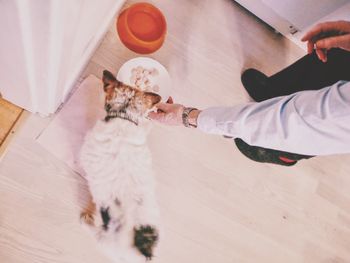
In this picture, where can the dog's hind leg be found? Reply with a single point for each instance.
(146, 229)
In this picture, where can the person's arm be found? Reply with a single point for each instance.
(307, 122)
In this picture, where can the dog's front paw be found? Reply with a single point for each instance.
(87, 218)
(145, 239)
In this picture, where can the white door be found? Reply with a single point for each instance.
(44, 46)
(291, 16)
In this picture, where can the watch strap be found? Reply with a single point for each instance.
(185, 115)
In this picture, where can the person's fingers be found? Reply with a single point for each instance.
(332, 42)
(325, 52)
(319, 53)
(310, 47)
(163, 106)
(319, 29)
(327, 28)
(316, 30)
(322, 55)
(156, 116)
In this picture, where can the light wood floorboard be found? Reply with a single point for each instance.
(9, 114)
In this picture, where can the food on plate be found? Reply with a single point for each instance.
(141, 78)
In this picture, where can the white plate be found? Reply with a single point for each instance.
(162, 79)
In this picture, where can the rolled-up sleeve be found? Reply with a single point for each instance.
(307, 122)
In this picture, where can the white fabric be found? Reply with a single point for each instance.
(307, 122)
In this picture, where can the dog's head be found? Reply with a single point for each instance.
(121, 98)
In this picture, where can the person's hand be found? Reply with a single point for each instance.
(325, 36)
(168, 113)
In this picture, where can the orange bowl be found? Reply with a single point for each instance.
(142, 28)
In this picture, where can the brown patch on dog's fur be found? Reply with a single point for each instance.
(109, 84)
(87, 218)
(152, 98)
(88, 213)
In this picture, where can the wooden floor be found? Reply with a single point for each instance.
(216, 205)
(9, 115)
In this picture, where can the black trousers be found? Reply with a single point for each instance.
(308, 73)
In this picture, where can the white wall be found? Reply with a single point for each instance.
(300, 14)
(303, 13)
(342, 13)
(44, 46)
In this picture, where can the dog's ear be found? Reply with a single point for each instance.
(153, 98)
(109, 80)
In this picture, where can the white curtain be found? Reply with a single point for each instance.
(44, 46)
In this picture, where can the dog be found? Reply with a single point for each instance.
(124, 214)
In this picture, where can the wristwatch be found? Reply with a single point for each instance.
(185, 115)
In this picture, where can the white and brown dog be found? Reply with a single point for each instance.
(118, 167)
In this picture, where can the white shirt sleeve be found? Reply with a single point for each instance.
(307, 122)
